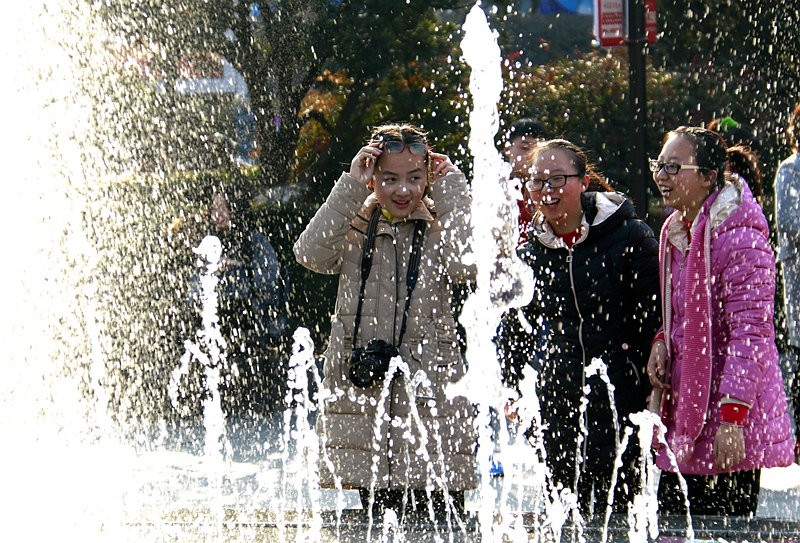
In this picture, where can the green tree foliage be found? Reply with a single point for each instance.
(383, 59)
(320, 72)
(750, 50)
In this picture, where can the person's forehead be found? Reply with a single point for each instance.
(678, 146)
(552, 156)
(525, 138)
(405, 161)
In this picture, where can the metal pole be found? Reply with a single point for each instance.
(638, 103)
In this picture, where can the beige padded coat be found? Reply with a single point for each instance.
(361, 447)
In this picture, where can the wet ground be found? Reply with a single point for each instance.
(169, 491)
(262, 476)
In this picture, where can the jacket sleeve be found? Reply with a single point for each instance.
(746, 278)
(319, 247)
(453, 207)
(787, 193)
(645, 284)
(511, 343)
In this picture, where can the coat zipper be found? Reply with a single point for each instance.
(583, 357)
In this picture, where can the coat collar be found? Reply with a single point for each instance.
(424, 212)
(719, 206)
(597, 208)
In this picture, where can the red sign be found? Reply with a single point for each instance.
(609, 22)
(611, 25)
(650, 28)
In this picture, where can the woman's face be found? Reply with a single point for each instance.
(686, 190)
(399, 182)
(561, 206)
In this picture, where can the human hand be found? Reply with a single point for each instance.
(441, 165)
(510, 411)
(657, 365)
(362, 166)
(728, 447)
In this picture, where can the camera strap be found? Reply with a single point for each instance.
(366, 265)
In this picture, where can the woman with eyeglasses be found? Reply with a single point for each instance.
(595, 265)
(714, 362)
(397, 257)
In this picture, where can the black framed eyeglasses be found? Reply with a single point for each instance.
(416, 148)
(554, 182)
(671, 168)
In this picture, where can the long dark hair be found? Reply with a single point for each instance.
(742, 161)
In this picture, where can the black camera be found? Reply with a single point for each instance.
(369, 364)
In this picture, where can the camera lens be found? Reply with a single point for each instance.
(362, 373)
(370, 364)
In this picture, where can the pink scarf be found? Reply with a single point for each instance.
(695, 386)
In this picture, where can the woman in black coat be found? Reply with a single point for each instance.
(595, 266)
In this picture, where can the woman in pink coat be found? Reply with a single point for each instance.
(715, 361)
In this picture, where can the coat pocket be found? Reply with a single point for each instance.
(438, 353)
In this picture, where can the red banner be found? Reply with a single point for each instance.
(650, 19)
(609, 22)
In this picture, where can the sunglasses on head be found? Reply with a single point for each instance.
(416, 148)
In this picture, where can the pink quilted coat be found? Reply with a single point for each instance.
(744, 356)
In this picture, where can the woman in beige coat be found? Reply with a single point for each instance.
(390, 430)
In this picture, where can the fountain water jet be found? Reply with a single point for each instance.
(67, 475)
(210, 353)
(300, 436)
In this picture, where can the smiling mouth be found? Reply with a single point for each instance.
(550, 201)
(665, 191)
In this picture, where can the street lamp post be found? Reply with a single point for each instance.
(638, 105)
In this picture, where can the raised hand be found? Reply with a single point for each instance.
(362, 166)
(441, 165)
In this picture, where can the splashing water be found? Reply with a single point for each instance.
(67, 476)
(58, 484)
(210, 353)
(503, 281)
(643, 513)
(298, 435)
(436, 469)
(661, 436)
(598, 367)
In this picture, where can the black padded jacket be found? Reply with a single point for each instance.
(599, 299)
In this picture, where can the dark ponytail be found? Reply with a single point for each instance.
(742, 161)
